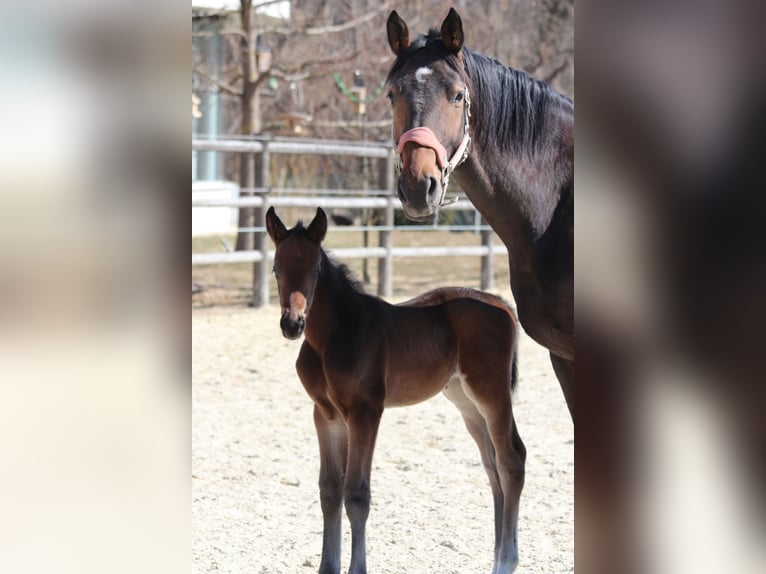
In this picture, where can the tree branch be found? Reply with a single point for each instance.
(556, 71)
(226, 87)
(319, 30)
(346, 25)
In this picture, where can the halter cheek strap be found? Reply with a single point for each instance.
(424, 137)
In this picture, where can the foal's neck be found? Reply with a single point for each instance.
(336, 300)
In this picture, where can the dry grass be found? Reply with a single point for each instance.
(232, 284)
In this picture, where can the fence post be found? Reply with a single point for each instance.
(487, 260)
(386, 264)
(386, 236)
(245, 215)
(261, 268)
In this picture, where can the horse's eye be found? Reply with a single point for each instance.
(391, 98)
(274, 270)
(457, 98)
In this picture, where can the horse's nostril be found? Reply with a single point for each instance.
(292, 329)
(432, 187)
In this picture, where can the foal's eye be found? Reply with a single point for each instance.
(391, 98)
(457, 98)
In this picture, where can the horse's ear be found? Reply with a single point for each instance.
(452, 32)
(274, 226)
(398, 34)
(318, 228)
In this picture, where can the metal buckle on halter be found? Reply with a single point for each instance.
(449, 200)
(446, 172)
(466, 111)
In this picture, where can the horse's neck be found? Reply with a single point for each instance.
(517, 193)
(332, 293)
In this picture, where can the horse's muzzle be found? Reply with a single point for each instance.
(292, 328)
(420, 199)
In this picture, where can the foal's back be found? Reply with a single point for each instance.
(440, 333)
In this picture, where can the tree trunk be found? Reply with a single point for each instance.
(245, 239)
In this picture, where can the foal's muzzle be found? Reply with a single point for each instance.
(292, 328)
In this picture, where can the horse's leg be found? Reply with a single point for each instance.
(333, 448)
(564, 370)
(510, 455)
(477, 428)
(518, 447)
(363, 422)
(493, 400)
(333, 445)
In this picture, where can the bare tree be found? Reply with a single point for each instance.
(315, 54)
(261, 48)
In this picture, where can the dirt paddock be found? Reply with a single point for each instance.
(255, 466)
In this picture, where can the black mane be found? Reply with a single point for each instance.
(343, 273)
(509, 104)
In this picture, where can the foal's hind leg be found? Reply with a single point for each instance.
(477, 428)
(510, 456)
(491, 397)
(333, 448)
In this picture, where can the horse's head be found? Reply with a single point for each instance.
(430, 97)
(297, 263)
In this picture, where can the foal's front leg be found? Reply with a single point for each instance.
(363, 422)
(333, 449)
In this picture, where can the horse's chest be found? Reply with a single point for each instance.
(547, 317)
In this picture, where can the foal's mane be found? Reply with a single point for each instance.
(344, 274)
(510, 106)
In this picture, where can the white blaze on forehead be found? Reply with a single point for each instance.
(421, 73)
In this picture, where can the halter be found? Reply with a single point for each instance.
(423, 136)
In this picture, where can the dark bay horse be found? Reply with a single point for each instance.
(510, 141)
(362, 354)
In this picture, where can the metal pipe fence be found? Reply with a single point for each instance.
(381, 200)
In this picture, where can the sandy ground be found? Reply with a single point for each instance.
(255, 466)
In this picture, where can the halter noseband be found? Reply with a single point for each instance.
(423, 136)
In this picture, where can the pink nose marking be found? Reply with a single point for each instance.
(297, 305)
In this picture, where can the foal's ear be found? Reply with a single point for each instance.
(274, 226)
(398, 34)
(452, 32)
(318, 228)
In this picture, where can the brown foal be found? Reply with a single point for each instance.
(362, 354)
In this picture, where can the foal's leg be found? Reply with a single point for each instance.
(333, 449)
(477, 428)
(363, 422)
(564, 370)
(510, 456)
